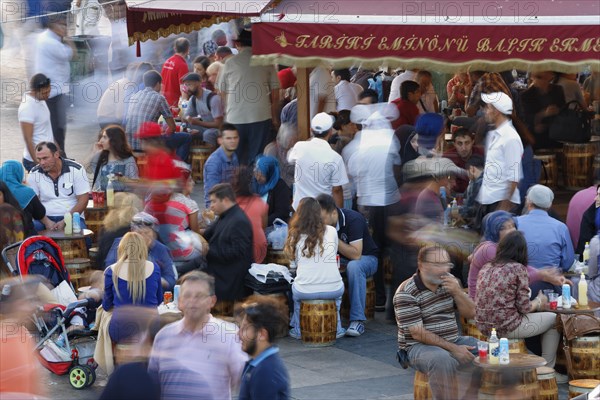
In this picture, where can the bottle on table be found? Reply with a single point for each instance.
(110, 192)
(494, 347)
(566, 296)
(586, 257)
(504, 357)
(582, 289)
(76, 223)
(68, 224)
(447, 215)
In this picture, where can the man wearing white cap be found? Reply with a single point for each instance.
(319, 169)
(504, 151)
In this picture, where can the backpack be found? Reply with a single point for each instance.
(208, 99)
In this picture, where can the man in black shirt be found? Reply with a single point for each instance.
(356, 248)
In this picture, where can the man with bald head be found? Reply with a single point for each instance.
(428, 334)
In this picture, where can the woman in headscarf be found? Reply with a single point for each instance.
(25, 199)
(496, 225)
(268, 184)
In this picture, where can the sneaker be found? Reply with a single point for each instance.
(340, 333)
(295, 333)
(560, 378)
(355, 329)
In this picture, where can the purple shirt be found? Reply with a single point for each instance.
(197, 365)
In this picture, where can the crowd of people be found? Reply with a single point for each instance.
(376, 179)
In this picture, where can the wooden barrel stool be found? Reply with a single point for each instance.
(518, 384)
(318, 322)
(369, 300)
(388, 270)
(582, 386)
(549, 175)
(547, 383)
(277, 257)
(585, 357)
(78, 269)
(596, 168)
(141, 162)
(579, 158)
(469, 328)
(421, 389)
(199, 156)
(94, 219)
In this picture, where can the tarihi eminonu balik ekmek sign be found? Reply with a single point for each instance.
(440, 42)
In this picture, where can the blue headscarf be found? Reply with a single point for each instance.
(492, 224)
(429, 127)
(269, 168)
(12, 174)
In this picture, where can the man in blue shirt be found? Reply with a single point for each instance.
(265, 375)
(222, 163)
(147, 226)
(548, 240)
(358, 250)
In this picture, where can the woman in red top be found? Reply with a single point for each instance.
(502, 299)
(255, 209)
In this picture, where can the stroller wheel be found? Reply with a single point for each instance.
(91, 377)
(79, 375)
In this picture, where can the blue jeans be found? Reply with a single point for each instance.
(438, 364)
(180, 142)
(358, 271)
(299, 296)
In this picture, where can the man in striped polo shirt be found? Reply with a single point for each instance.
(425, 308)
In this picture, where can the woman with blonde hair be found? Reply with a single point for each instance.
(132, 280)
(314, 246)
(116, 223)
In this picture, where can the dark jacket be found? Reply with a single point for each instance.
(230, 253)
(279, 201)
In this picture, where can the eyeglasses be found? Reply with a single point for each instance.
(439, 264)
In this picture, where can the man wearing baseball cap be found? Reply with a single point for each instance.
(504, 151)
(319, 169)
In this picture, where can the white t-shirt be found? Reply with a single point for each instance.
(59, 196)
(346, 95)
(320, 272)
(52, 58)
(35, 112)
(321, 85)
(318, 169)
(371, 166)
(503, 164)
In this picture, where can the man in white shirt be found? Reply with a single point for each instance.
(62, 186)
(53, 52)
(318, 168)
(251, 96)
(504, 151)
(429, 102)
(34, 118)
(320, 85)
(408, 75)
(346, 93)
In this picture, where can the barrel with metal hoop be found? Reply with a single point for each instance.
(579, 160)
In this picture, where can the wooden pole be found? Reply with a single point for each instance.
(303, 94)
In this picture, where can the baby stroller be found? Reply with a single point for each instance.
(58, 350)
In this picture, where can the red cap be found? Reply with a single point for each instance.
(287, 79)
(148, 130)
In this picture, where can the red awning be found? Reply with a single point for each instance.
(490, 35)
(152, 19)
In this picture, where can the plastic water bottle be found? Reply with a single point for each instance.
(504, 357)
(68, 224)
(76, 223)
(494, 349)
(444, 105)
(583, 287)
(566, 296)
(586, 257)
(176, 290)
(443, 196)
(447, 215)
(110, 192)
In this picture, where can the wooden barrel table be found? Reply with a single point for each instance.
(579, 159)
(582, 386)
(94, 219)
(318, 322)
(199, 156)
(72, 246)
(547, 382)
(141, 162)
(585, 357)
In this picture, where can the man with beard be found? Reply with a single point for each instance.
(198, 356)
(205, 109)
(265, 375)
(427, 330)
